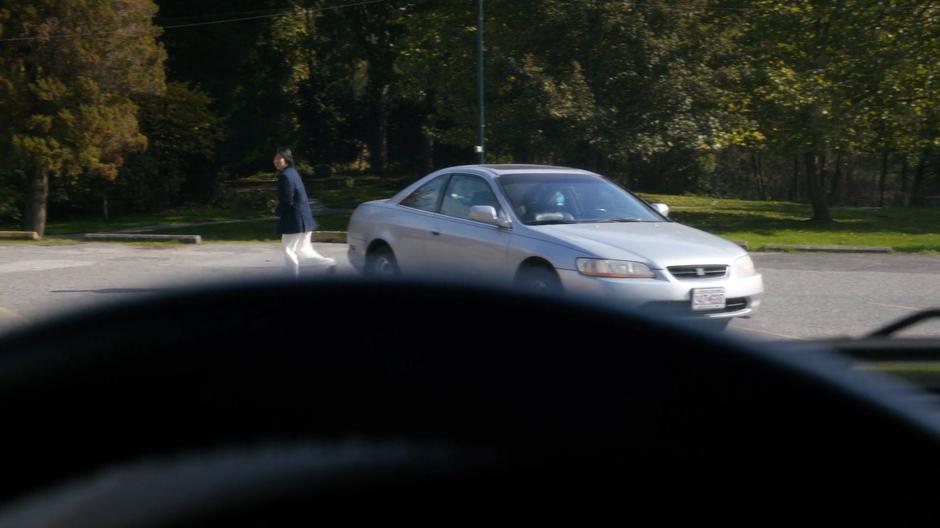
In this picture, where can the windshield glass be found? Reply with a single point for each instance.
(540, 199)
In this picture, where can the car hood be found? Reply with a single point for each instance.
(657, 243)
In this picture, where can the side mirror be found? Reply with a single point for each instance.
(662, 208)
(487, 215)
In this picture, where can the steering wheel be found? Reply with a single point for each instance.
(284, 402)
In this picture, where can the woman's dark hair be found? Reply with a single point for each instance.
(285, 153)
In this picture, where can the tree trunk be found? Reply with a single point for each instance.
(759, 174)
(424, 160)
(917, 189)
(884, 178)
(795, 187)
(905, 169)
(815, 167)
(849, 188)
(35, 219)
(835, 194)
(903, 197)
(378, 151)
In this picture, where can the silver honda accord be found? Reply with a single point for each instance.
(556, 229)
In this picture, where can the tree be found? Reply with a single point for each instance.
(836, 77)
(242, 69)
(69, 78)
(177, 165)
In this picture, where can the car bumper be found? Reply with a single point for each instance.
(667, 296)
(356, 255)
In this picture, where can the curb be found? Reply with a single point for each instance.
(126, 237)
(828, 249)
(19, 235)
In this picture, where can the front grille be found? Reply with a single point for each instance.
(706, 271)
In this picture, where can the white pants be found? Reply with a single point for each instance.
(297, 246)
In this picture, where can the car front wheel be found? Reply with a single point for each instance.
(382, 263)
(538, 279)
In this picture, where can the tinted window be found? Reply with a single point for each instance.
(466, 191)
(427, 196)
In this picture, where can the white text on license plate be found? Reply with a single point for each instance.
(708, 298)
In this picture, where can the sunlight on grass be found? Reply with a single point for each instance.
(255, 230)
(761, 223)
(758, 223)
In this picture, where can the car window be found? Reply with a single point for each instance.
(464, 192)
(428, 196)
(575, 198)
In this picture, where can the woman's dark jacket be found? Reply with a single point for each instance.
(293, 206)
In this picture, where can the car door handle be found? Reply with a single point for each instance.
(436, 233)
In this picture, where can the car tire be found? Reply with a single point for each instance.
(381, 262)
(538, 279)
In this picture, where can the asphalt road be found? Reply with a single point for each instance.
(39, 281)
(807, 295)
(812, 295)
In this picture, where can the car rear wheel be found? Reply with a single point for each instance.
(382, 263)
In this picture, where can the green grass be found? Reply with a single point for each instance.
(256, 230)
(244, 229)
(43, 242)
(759, 223)
(131, 221)
(910, 230)
(365, 188)
(335, 192)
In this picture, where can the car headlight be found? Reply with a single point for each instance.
(618, 269)
(744, 266)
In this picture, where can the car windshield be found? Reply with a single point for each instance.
(540, 199)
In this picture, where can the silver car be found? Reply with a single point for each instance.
(553, 228)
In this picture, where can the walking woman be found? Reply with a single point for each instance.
(296, 223)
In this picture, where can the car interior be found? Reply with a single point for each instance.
(434, 403)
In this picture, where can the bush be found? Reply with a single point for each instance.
(245, 199)
(322, 171)
(177, 166)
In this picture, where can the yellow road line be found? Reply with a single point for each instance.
(765, 332)
(6, 311)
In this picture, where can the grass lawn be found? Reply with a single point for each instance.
(913, 229)
(130, 221)
(758, 223)
(43, 242)
(255, 230)
(365, 188)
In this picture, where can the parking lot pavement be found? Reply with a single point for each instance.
(817, 295)
(807, 296)
(39, 281)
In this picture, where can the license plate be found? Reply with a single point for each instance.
(708, 298)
